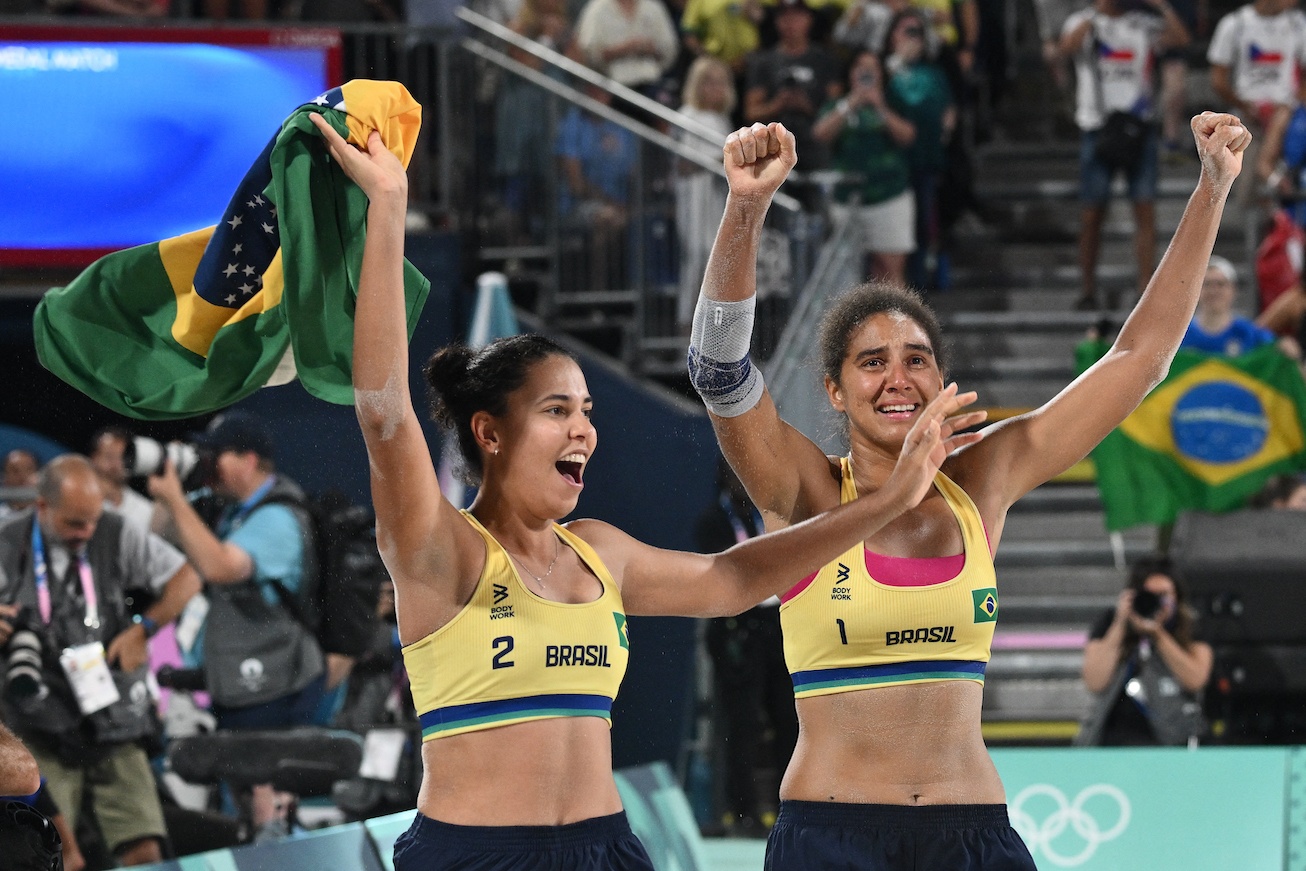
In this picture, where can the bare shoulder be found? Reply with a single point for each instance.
(614, 547)
(595, 532)
(976, 471)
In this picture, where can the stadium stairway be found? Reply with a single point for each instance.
(1011, 322)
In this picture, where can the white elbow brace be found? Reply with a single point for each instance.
(719, 367)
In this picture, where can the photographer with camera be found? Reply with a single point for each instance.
(263, 666)
(1145, 665)
(76, 659)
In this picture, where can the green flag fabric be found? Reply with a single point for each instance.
(192, 324)
(1205, 439)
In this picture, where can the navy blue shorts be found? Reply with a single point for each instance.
(598, 844)
(815, 836)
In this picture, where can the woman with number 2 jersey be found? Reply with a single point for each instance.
(513, 625)
(887, 644)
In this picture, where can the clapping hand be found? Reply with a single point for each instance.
(935, 435)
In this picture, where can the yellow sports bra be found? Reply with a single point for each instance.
(510, 656)
(844, 630)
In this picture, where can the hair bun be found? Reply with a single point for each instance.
(445, 372)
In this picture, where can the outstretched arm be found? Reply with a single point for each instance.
(419, 533)
(657, 581)
(782, 469)
(1023, 452)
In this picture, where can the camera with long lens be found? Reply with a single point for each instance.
(144, 456)
(23, 660)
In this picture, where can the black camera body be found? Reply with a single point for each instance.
(1146, 604)
(23, 653)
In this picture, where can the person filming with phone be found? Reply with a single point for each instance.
(868, 132)
(1145, 665)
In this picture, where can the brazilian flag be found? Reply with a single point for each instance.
(1205, 439)
(194, 323)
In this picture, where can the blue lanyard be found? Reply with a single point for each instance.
(241, 512)
(39, 569)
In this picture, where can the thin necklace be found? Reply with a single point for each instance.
(539, 579)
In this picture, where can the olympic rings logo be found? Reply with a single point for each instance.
(1068, 814)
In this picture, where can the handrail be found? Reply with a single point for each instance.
(580, 71)
(622, 120)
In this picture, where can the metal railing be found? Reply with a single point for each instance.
(607, 246)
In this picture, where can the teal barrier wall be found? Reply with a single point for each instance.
(1213, 809)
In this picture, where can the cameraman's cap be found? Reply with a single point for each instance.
(237, 431)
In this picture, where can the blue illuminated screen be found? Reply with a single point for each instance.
(119, 144)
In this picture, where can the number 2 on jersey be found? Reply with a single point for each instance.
(499, 661)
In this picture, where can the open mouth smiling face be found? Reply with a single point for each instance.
(572, 467)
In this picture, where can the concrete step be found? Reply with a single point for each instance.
(1014, 369)
(1066, 186)
(1060, 497)
(1006, 322)
(1007, 393)
(1059, 698)
(1062, 608)
(1062, 525)
(1058, 581)
(1015, 665)
(969, 348)
(1065, 553)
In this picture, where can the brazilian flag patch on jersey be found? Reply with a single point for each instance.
(623, 634)
(986, 605)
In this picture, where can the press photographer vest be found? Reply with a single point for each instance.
(1174, 713)
(57, 714)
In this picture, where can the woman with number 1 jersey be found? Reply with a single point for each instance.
(887, 644)
(513, 625)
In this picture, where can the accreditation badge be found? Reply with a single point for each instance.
(88, 674)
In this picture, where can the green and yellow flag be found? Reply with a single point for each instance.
(1205, 439)
(194, 323)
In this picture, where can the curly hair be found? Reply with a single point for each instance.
(850, 310)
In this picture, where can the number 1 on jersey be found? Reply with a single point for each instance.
(843, 631)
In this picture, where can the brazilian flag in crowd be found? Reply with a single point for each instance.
(1205, 439)
(194, 323)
